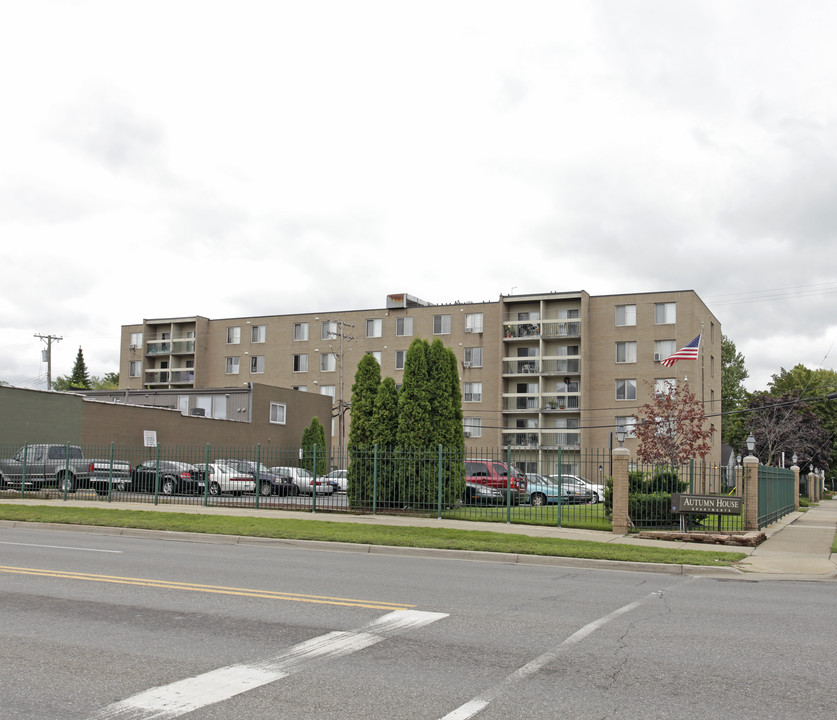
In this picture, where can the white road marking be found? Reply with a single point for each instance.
(61, 547)
(479, 703)
(183, 696)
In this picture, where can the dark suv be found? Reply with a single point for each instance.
(269, 484)
(495, 473)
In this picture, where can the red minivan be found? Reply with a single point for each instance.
(494, 473)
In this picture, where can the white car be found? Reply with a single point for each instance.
(304, 480)
(597, 490)
(338, 478)
(226, 479)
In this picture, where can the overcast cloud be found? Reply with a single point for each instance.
(269, 157)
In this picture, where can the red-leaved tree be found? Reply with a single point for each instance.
(672, 428)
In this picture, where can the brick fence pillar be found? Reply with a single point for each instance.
(621, 457)
(795, 469)
(812, 488)
(751, 492)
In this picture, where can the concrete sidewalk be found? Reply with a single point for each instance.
(797, 546)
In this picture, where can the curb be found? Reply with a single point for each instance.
(392, 550)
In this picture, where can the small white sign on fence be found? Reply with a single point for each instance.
(149, 438)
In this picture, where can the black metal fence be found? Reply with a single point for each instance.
(485, 485)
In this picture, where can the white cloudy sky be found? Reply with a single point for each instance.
(267, 157)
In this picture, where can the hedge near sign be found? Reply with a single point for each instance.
(706, 504)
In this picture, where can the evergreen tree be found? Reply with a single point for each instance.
(77, 380)
(80, 378)
(446, 413)
(314, 436)
(362, 430)
(386, 430)
(415, 423)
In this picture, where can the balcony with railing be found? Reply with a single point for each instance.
(556, 403)
(525, 329)
(560, 366)
(529, 403)
(169, 377)
(521, 366)
(158, 347)
(560, 328)
(170, 347)
(561, 439)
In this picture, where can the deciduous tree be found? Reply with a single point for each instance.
(786, 424)
(672, 428)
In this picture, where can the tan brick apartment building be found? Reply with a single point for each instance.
(539, 372)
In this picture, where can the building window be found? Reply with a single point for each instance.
(625, 315)
(278, 413)
(134, 368)
(136, 340)
(663, 348)
(473, 322)
(375, 354)
(374, 328)
(258, 333)
(665, 313)
(300, 331)
(399, 359)
(629, 423)
(626, 352)
(232, 365)
(329, 330)
(441, 324)
(404, 326)
(257, 364)
(472, 426)
(566, 350)
(328, 390)
(301, 388)
(626, 389)
(233, 335)
(473, 357)
(301, 363)
(665, 386)
(328, 362)
(569, 314)
(473, 392)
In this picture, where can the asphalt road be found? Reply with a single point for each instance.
(106, 627)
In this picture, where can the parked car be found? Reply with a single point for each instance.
(338, 479)
(495, 473)
(304, 480)
(597, 490)
(270, 483)
(226, 479)
(479, 494)
(581, 492)
(545, 491)
(176, 478)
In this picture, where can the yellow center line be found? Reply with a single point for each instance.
(217, 589)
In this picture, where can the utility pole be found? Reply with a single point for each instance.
(341, 406)
(47, 354)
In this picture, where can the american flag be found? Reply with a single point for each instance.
(688, 352)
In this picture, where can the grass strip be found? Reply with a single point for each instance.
(346, 532)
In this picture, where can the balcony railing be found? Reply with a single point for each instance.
(170, 347)
(561, 402)
(525, 329)
(560, 328)
(560, 366)
(529, 366)
(174, 377)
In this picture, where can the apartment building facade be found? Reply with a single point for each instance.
(540, 373)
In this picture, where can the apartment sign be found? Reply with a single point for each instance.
(706, 504)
